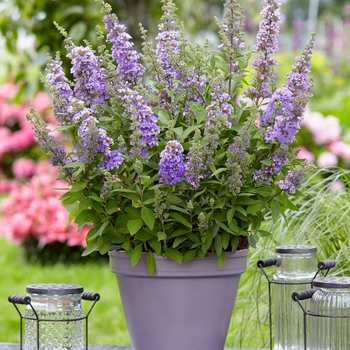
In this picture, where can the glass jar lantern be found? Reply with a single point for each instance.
(329, 327)
(296, 268)
(54, 318)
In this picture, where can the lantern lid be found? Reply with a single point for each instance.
(332, 282)
(54, 289)
(296, 249)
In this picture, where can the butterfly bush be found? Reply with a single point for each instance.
(171, 151)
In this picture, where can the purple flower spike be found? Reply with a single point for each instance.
(172, 167)
(122, 50)
(266, 44)
(90, 78)
(111, 161)
(57, 79)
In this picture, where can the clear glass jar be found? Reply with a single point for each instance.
(331, 300)
(296, 268)
(59, 316)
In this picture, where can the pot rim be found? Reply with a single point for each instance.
(165, 267)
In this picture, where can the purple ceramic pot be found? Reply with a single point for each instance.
(180, 307)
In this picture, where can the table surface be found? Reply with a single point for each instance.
(7, 346)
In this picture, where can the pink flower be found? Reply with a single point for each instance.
(327, 160)
(23, 168)
(340, 149)
(35, 210)
(323, 129)
(305, 154)
(8, 91)
(41, 102)
(336, 186)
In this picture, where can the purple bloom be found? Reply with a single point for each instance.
(144, 123)
(266, 44)
(195, 167)
(112, 160)
(292, 181)
(172, 167)
(286, 107)
(94, 141)
(58, 80)
(167, 47)
(219, 112)
(238, 160)
(122, 50)
(278, 160)
(90, 78)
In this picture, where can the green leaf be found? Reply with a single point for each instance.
(181, 219)
(147, 215)
(161, 235)
(163, 117)
(134, 225)
(222, 260)
(218, 244)
(126, 245)
(174, 254)
(103, 244)
(240, 210)
(151, 263)
(233, 225)
(218, 171)
(253, 240)
(136, 254)
(275, 210)
(143, 235)
(96, 198)
(219, 203)
(224, 227)
(264, 233)
(179, 240)
(191, 254)
(229, 215)
(73, 165)
(178, 233)
(78, 186)
(234, 243)
(84, 217)
(225, 239)
(156, 246)
(267, 162)
(98, 230)
(255, 208)
(264, 191)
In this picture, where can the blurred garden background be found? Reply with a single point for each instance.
(38, 243)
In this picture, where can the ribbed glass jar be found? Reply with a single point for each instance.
(296, 269)
(59, 316)
(332, 302)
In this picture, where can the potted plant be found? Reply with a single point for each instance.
(177, 161)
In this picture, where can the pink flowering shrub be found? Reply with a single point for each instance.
(321, 140)
(34, 210)
(18, 147)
